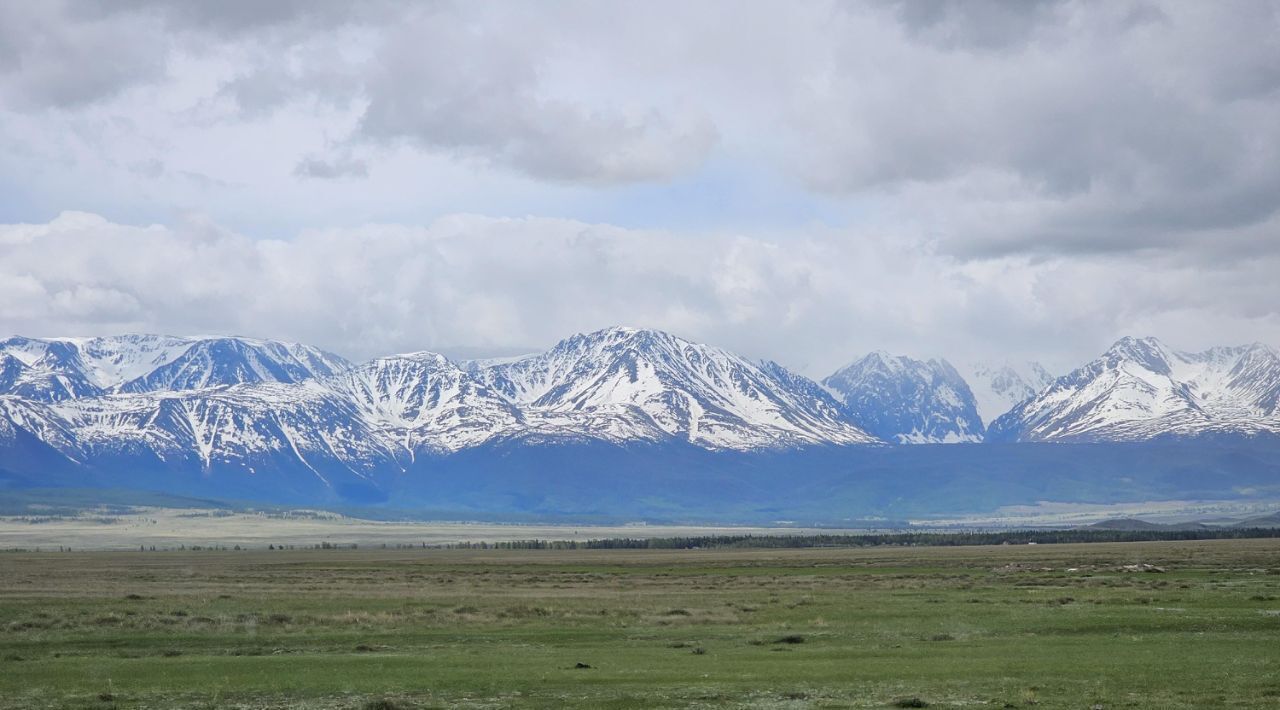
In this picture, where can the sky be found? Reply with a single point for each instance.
(803, 182)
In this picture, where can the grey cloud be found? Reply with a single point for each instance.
(996, 128)
(230, 17)
(204, 181)
(50, 59)
(151, 168)
(315, 167)
(470, 85)
(1108, 134)
(309, 72)
(445, 85)
(155, 169)
(67, 54)
(974, 24)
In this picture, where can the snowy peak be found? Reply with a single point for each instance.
(1141, 389)
(45, 371)
(651, 381)
(998, 386)
(423, 401)
(103, 363)
(11, 371)
(59, 369)
(907, 401)
(1255, 378)
(231, 361)
(1147, 353)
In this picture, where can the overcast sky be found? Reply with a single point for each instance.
(798, 181)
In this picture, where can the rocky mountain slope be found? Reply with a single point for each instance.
(57, 369)
(1141, 389)
(907, 401)
(624, 383)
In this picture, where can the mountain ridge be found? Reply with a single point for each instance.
(179, 399)
(55, 369)
(260, 406)
(1141, 389)
(907, 401)
(624, 418)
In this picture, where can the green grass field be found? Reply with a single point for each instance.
(994, 627)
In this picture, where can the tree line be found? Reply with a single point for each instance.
(916, 539)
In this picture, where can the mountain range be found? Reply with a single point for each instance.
(1141, 389)
(284, 421)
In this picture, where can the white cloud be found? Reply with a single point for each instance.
(811, 300)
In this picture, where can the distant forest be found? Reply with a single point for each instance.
(921, 539)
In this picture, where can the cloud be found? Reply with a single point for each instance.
(341, 167)
(51, 59)
(102, 305)
(445, 84)
(824, 177)
(811, 300)
(975, 24)
(430, 78)
(1082, 127)
(231, 17)
(1101, 130)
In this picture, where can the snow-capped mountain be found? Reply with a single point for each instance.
(229, 361)
(58, 369)
(625, 383)
(165, 413)
(998, 386)
(1140, 389)
(424, 403)
(241, 425)
(623, 422)
(907, 401)
(259, 406)
(344, 429)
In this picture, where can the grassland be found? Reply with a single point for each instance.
(128, 527)
(1013, 626)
